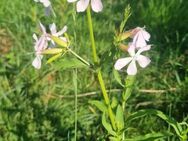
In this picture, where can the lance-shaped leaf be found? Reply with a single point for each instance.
(107, 125)
(150, 137)
(117, 77)
(100, 105)
(119, 118)
(177, 127)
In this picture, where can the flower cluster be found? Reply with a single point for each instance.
(42, 42)
(139, 44)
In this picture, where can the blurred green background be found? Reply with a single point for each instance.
(38, 105)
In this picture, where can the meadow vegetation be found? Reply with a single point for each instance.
(38, 105)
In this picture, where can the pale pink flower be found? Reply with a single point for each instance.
(82, 5)
(40, 45)
(142, 60)
(140, 36)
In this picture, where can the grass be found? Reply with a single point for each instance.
(39, 105)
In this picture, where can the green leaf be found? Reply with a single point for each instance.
(53, 58)
(117, 77)
(129, 87)
(100, 105)
(177, 127)
(107, 126)
(119, 118)
(67, 63)
(114, 139)
(114, 102)
(150, 137)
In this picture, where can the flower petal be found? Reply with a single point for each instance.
(122, 62)
(96, 5)
(145, 48)
(46, 3)
(61, 32)
(37, 62)
(146, 35)
(82, 5)
(43, 29)
(143, 61)
(41, 44)
(53, 28)
(131, 49)
(35, 37)
(132, 70)
(139, 40)
(71, 0)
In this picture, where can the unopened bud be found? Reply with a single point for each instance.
(123, 47)
(52, 51)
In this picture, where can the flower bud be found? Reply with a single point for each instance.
(52, 51)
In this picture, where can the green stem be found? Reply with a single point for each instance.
(76, 102)
(99, 74)
(95, 59)
(129, 81)
(80, 58)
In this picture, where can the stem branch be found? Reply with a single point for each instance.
(80, 58)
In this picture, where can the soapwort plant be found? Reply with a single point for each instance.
(133, 43)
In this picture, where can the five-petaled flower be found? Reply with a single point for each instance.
(142, 60)
(82, 5)
(46, 3)
(140, 36)
(40, 45)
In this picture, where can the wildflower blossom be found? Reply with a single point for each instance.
(46, 3)
(142, 60)
(140, 36)
(82, 5)
(40, 45)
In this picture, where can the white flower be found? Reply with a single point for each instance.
(143, 61)
(46, 3)
(59, 34)
(140, 36)
(40, 45)
(82, 5)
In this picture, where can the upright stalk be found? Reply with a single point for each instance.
(99, 74)
(75, 103)
(129, 81)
